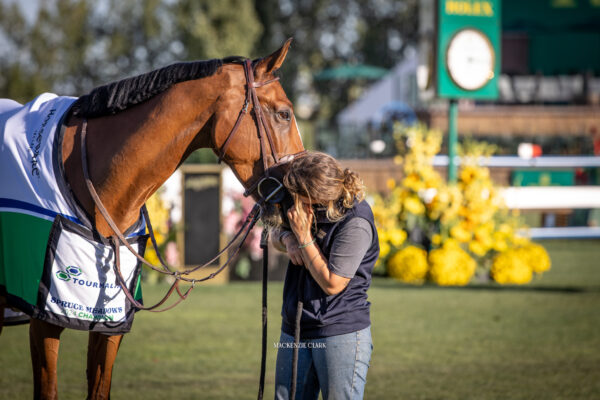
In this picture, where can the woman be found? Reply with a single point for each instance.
(333, 238)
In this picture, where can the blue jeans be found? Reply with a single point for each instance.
(336, 365)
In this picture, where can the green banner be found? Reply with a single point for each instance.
(468, 50)
(543, 177)
(569, 28)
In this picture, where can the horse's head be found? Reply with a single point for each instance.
(258, 146)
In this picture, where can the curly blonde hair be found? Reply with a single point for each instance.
(321, 179)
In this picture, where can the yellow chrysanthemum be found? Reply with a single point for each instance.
(397, 237)
(499, 242)
(384, 249)
(414, 205)
(478, 248)
(451, 265)
(467, 175)
(536, 257)
(510, 267)
(413, 182)
(461, 233)
(408, 265)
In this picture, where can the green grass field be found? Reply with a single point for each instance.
(540, 341)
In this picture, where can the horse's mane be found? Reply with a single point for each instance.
(118, 96)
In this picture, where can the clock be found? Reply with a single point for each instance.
(470, 59)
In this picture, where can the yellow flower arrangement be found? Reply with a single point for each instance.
(461, 225)
(409, 265)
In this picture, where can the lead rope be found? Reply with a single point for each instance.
(264, 244)
(299, 308)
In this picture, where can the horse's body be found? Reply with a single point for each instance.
(133, 151)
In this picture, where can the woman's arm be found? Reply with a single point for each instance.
(316, 263)
(311, 256)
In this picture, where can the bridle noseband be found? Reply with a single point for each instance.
(262, 184)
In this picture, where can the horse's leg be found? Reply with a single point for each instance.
(44, 339)
(102, 351)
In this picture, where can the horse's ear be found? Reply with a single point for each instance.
(272, 63)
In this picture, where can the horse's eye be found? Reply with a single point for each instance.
(284, 115)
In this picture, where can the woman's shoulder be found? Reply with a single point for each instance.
(361, 209)
(349, 237)
(358, 219)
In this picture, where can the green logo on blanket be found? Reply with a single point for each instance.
(70, 272)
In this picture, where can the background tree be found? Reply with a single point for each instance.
(214, 29)
(71, 46)
(329, 33)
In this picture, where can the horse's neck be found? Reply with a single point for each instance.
(132, 153)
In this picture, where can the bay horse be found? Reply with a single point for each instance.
(139, 131)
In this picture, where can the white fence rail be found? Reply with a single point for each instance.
(547, 197)
(555, 198)
(551, 197)
(536, 162)
(566, 232)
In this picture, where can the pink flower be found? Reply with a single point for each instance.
(171, 254)
(253, 243)
(232, 222)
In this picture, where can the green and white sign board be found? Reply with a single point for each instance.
(468, 51)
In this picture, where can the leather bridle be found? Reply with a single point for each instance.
(268, 187)
(260, 186)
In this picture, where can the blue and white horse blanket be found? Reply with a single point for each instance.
(53, 265)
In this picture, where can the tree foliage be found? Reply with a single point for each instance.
(328, 33)
(72, 46)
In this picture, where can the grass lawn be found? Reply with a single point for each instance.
(540, 341)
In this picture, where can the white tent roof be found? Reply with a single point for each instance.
(398, 85)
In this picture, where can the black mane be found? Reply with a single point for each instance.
(118, 96)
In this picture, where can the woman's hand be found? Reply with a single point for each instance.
(301, 220)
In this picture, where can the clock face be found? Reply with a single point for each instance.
(470, 59)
